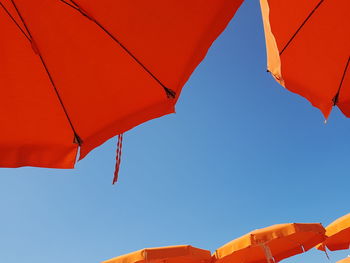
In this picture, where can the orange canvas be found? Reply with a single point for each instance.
(271, 243)
(172, 254)
(76, 73)
(345, 260)
(338, 234)
(308, 49)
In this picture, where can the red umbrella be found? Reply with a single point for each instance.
(76, 73)
(308, 49)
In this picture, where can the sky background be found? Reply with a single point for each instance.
(240, 153)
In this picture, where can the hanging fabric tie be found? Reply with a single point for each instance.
(118, 157)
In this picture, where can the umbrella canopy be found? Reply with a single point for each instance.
(271, 244)
(75, 73)
(338, 235)
(308, 49)
(173, 254)
(345, 260)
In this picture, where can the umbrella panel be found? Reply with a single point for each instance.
(339, 241)
(172, 254)
(338, 234)
(345, 260)
(308, 49)
(280, 248)
(277, 242)
(34, 128)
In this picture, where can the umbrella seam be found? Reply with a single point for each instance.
(169, 92)
(301, 26)
(14, 20)
(77, 139)
(336, 97)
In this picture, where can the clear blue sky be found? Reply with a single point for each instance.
(240, 153)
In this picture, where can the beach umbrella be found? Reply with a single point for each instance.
(308, 49)
(75, 73)
(172, 254)
(345, 260)
(338, 235)
(271, 244)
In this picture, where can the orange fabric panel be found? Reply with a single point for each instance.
(345, 260)
(172, 254)
(338, 234)
(283, 240)
(313, 63)
(104, 90)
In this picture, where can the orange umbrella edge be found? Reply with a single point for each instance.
(162, 253)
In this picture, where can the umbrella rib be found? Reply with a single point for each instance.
(336, 97)
(300, 27)
(169, 92)
(77, 139)
(14, 20)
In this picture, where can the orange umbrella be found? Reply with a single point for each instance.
(173, 254)
(308, 49)
(338, 235)
(74, 73)
(345, 260)
(271, 244)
